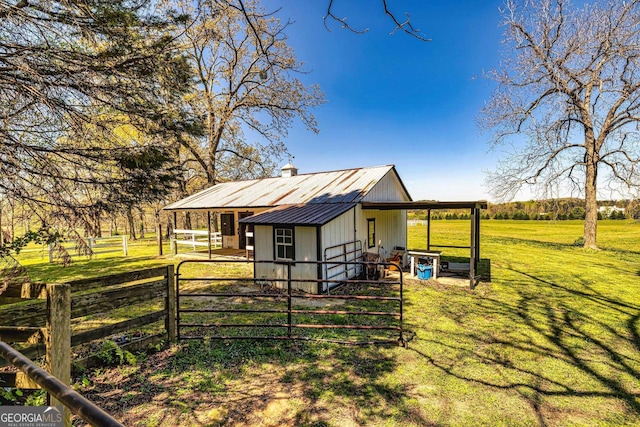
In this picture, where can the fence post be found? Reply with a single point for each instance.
(173, 244)
(170, 322)
(159, 238)
(58, 337)
(125, 248)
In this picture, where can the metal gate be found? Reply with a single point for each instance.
(222, 299)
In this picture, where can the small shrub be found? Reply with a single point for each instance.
(112, 354)
(8, 395)
(579, 241)
(37, 398)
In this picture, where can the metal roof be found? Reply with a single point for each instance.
(426, 204)
(300, 214)
(342, 186)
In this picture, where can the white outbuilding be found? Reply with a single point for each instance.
(308, 217)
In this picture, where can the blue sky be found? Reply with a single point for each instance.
(392, 99)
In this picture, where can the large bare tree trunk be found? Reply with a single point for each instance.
(141, 213)
(569, 69)
(98, 225)
(591, 203)
(132, 228)
(13, 221)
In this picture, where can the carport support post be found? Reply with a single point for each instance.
(428, 229)
(473, 263)
(477, 245)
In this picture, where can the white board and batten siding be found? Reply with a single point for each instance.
(339, 231)
(391, 225)
(391, 230)
(388, 189)
(305, 240)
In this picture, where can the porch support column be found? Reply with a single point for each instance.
(209, 231)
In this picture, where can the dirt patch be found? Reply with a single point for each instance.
(142, 396)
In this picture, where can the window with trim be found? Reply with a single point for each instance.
(371, 231)
(284, 247)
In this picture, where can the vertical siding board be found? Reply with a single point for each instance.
(391, 228)
(337, 232)
(305, 245)
(388, 189)
(263, 250)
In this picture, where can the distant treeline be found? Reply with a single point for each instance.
(541, 210)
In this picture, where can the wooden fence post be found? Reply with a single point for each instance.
(58, 337)
(174, 244)
(159, 238)
(170, 322)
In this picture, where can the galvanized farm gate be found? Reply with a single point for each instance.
(220, 299)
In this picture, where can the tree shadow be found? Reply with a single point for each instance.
(284, 383)
(503, 240)
(591, 334)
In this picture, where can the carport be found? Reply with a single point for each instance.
(474, 238)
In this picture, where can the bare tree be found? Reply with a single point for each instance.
(402, 25)
(247, 91)
(568, 100)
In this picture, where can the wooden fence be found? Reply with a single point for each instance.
(44, 321)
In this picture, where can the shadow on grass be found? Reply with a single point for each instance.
(506, 241)
(275, 383)
(484, 266)
(548, 341)
(95, 267)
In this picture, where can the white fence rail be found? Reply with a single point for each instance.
(195, 238)
(98, 245)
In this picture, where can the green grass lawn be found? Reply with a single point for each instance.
(552, 340)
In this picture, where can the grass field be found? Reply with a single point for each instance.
(552, 340)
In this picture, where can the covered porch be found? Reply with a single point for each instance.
(433, 251)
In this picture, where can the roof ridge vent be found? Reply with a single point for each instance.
(289, 170)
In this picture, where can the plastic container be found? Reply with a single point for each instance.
(425, 271)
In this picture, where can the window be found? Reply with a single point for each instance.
(371, 230)
(226, 221)
(284, 248)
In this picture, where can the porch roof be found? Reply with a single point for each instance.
(313, 214)
(426, 204)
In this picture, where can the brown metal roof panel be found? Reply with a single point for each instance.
(314, 214)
